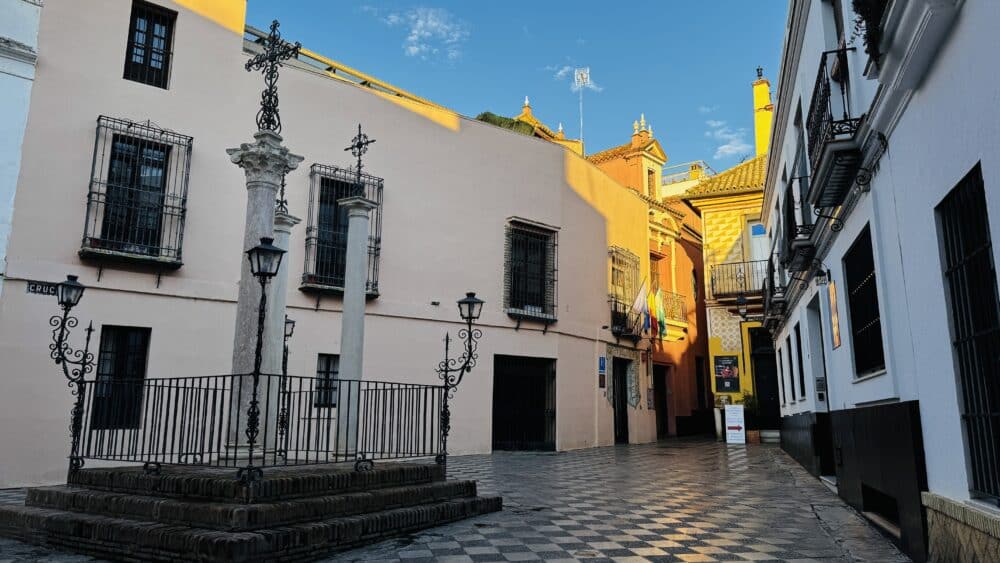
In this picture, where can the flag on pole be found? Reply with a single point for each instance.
(661, 314)
(640, 299)
(654, 326)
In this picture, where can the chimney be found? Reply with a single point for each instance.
(763, 112)
(694, 171)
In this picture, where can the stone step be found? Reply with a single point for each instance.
(241, 517)
(279, 483)
(123, 539)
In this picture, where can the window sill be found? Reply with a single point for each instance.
(867, 376)
(115, 256)
(322, 289)
(523, 315)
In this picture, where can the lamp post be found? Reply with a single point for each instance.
(452, 370)
(741, 305)
(284, 395)
(265, 259)
(69, 293)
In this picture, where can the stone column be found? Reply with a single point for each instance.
(274, 331)
(352, 332)
(265, 162)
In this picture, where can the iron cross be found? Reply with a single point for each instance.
(275, 51)
(359, 146)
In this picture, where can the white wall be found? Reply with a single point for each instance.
(18, 23)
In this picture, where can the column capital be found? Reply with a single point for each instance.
(285, 221)
(357, 206)
(265, 160)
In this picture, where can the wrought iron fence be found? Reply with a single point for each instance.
(735, 278)
(137, 199)
(304, 420)
(830, 115)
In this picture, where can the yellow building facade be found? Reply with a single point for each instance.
(735, 256)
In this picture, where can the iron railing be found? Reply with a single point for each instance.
(304, 420)
(326, 231)
(735, 278)
(137, 199)
(674, 306)
(625, 322)
(830, 115)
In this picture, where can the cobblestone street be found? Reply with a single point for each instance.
(673, 501)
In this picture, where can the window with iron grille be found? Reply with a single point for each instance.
(624, 274)
(791, 368)
(654, 272)
(781, 374)
(326, 232)
(121, 372)
(964, 230)
(327, 374)
(862, 298)
(801, 364)
(150, 38)
(138, 193)
(530, 271)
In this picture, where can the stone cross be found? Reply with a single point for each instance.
(275, 51)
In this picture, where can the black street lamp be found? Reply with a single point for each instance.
(68, 294)
(265, 259)
(452, 370)
(284, 395)
(741, 305)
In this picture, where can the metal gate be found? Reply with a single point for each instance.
(524, 403)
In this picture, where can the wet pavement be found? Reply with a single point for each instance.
(679, 500)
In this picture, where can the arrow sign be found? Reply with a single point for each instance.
(735, 425)
(736, 428)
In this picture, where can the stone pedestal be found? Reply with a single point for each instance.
(265, 162)
(352, 335)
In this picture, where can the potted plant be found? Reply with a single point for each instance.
(751, 410)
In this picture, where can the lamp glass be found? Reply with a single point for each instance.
(289, 327)
(70, 291)
(470, 307)
(265, 258)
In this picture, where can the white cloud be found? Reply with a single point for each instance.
(431, 33)
(733, 141)
(707, 109)
(562, 72)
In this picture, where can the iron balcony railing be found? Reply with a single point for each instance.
(326, 231)
(831, 119)
(625, 322)
(674, 306)
(137, 200)
(303, 420)
(735, 278)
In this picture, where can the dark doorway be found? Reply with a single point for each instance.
(660, 382)
(824, 431)
(121, 375)
(765, 379)
(524, 403)
(619, 378)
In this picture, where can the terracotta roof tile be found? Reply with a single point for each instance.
(745, 177)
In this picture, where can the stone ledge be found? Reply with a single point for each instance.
(279, 483)
(243, 517)
(970, 515)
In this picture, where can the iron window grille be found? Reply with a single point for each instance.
(791, 369)
(624, 287)
(327, 375)
(326, 231)
(862, 296)
(150, 39)
(121, 371)
(801, 362)
(975, 328)
(530, 272)
(137, 199)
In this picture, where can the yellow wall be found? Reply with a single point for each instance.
(230, 14)
(725, 225)
(715, 348)
(763, 114)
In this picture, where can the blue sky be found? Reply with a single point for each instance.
(686, 64)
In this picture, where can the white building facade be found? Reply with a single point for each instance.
(881, 203)
(18, 54)
(129, 186)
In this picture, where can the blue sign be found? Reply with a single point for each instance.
(602, 365)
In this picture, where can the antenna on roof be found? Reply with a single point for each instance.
(581, 79)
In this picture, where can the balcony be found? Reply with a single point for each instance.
(834, 147)
(774, 299)
(735, 278)
(625, 322)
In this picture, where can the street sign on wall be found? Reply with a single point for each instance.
(736, 432)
